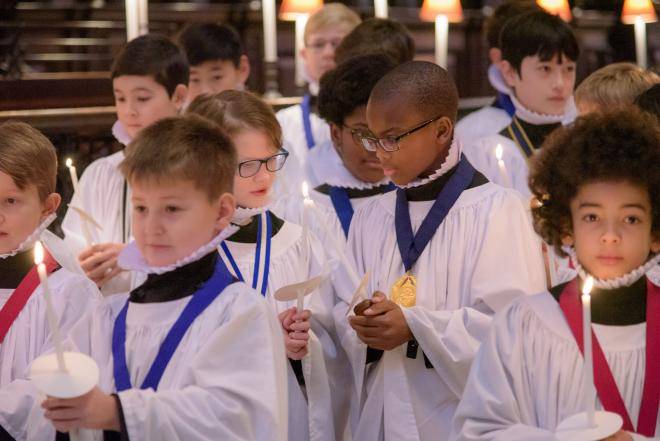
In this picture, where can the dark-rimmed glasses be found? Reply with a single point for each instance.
(247, 169)
(391, 143)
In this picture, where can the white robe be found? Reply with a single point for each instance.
(101, 195)
(528, 375)
(296, 170)
(486, 234)
(225, 380)
(29, 337)
(296, 257)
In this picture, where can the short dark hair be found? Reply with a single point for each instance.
(183, 147)
(203, 42)
(154, 56)
(537, 33)
(507, 10)
(426, 86)
(348, 86)
(649, 101)
(620, 145)
(377, 35)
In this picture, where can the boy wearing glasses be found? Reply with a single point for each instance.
(445, 251)
(302, 128)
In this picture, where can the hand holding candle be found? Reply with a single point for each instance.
(50, 311)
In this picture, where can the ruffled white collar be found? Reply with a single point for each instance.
(527, 115)
(497, 80)
(242, 214)
(131, 258)
(618, 282)
(120, 133)
(328, 168)
(453, 156)
(32, 238)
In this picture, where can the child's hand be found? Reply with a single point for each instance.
(382, 325)
(619, 436)
(100, 261)
(94, 410)
(295, 327)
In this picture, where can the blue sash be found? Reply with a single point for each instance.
(521, 139)
(503, 101)
(199, 301)
(412, 245)
(343, 207)
(257, 255)
(307, 121)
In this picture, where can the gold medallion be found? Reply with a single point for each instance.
(404, 291)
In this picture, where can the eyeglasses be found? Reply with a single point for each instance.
(357, 134)
(391, 143)
(247, 169)
(319, 45)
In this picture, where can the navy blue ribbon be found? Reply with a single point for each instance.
(199, 301)
(307, 121)
(520, 138)
(255, 274)
(343, 207)
(504, 102)
(412, 245)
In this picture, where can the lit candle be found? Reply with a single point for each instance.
(500, 164)
(301, 22)
(270, 30)
(588, 353)
(308, 204)
(441, 37)
(74, 175)
(380, 8)
(50, 311)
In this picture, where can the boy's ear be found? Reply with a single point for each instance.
(509, 73)
(243, 69)
(226, 205)
(655, 245)
(51, 204)
(444, 130)
(335, 136)
(179, 96)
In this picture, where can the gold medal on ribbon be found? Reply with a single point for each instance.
(404, 291)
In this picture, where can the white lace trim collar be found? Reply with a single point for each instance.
(618, 282)
(120, 133)
(497, 80)
(243, 214)
(131, 258)
(532, 117)
(32, 238)
(328, 168)
(453, 156)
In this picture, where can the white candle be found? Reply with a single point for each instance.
(640, 42)
(270, 30)
(301, 21)
(502, 167)
(132, 19)
(380, 8)
(74, 175)
(50, 311)
(143, 17)
(441, 37)
(588, 353)
(308, 204)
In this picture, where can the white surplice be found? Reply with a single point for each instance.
(225, 380)
(296, 257)
(30, 336)
(529, 374)
(484, 254)
(101, 195)
(296, 169)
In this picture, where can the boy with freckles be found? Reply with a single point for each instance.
(445, 251)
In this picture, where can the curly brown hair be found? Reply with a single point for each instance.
(621, 145)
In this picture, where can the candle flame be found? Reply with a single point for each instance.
(38, 253)
(498, 152)
(587, 286)
(69, 162)
(305, 189)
